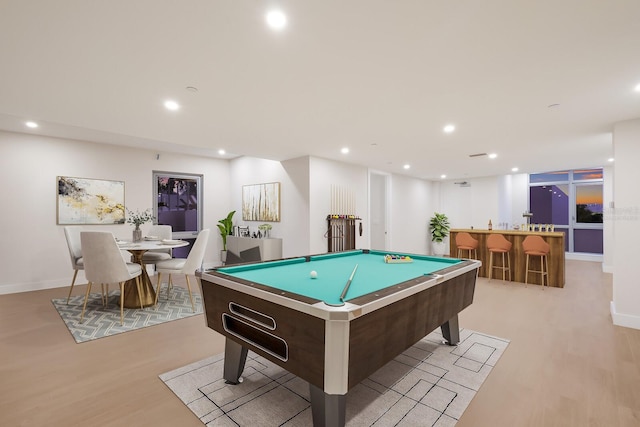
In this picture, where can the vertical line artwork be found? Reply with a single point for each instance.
(261, 202)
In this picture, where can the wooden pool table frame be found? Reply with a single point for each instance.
(333, 348)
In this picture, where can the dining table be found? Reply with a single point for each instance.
(137, 250)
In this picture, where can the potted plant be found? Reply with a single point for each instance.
(439, 227)
(225, 226)
(138, 218)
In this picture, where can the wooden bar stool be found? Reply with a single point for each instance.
(536, 246)
(466, 242)
(498, 244)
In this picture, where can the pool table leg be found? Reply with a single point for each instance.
(328, 410)
(451, 331)
(235, 357)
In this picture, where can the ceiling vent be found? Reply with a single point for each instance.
(463, 183)
(478, 155)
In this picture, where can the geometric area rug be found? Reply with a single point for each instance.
(102, 321)
(430, 384)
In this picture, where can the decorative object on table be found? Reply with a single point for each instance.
(490, 226)
(265, 229)
(89, 201)
(225, 225)
(138, 218)
(439, 227)
(261, 202)
(100, 322)
(429, 384)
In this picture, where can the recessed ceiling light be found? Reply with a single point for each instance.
(637, 88)
(407, 166)
(345, 150)
(493, 155)
(171, 105)
(514, 169)
(449, 128)
(31, 125)
(222, 152)
(610, 159)
(276, 19)
(443, 176)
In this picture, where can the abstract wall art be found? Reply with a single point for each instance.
(89, 201)
(261, 202)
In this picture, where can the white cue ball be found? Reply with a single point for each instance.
(313, 274)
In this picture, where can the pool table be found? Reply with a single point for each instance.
(278, 310)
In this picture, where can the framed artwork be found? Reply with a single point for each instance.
(89, 201)
(261, 202)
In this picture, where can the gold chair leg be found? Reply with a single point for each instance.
(193, 307)
(490, 265)
(509, 263)
(526, 274)
(86, 297)
(121, 303)
(503, 267)
(169, 285)
(73, 281)
(546, 260)
(139, 287)
(158, 285)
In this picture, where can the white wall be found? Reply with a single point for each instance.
(625, 221)
(33, 249)
(294, 195)
(412, 206)
(471, 206)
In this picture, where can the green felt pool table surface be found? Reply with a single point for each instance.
(333, 271)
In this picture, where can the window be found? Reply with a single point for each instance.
(178, 204)
(573, 202)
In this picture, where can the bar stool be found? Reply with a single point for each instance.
(498, 244)
(466, 242)
(536, 246)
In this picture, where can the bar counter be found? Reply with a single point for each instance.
(518, 257)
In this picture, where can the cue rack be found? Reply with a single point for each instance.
(341, 228)
(341, 232)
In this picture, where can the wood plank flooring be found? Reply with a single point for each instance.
(567, 365)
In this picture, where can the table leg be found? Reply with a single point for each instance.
(451, 331)
(327, 410)
(235, 356)
(148, 297)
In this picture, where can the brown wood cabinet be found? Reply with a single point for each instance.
(518, 257)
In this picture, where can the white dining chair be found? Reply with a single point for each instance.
(72, 234)
(162, 232)
(104, 264)
(186, 266)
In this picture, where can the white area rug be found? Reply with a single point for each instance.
(430, 384)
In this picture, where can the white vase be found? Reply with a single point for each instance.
(439, 248)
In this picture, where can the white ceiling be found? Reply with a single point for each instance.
(380, 77)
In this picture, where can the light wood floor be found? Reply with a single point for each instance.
(567, 365)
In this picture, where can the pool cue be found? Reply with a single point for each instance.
(346, 287)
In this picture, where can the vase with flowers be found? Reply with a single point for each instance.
(138, 218)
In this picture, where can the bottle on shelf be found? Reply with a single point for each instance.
(490, 225)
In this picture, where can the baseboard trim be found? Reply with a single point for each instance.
(625, 320)
(12, 288)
